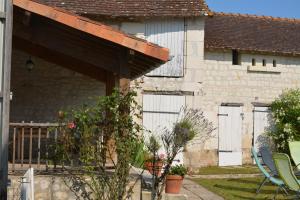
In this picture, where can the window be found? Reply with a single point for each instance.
(253, 62)
(274, 63)
(264, 62)
(168, 33)
(236, 58)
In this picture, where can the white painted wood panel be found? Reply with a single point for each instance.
(230, 135)
(162, 111)
(168, 33)
(261, 122)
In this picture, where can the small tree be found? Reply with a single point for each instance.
(95, 136)
(191, 125)
(286, 115)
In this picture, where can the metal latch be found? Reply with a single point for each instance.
(2, 15)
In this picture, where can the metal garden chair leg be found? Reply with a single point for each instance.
(262, 184)
(276, 193)
(284, 190)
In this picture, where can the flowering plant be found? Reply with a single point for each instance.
(71, 125)
(286, 115)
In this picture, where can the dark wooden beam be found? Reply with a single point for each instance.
(56, 39)
(60, 59)
(124, 73)
(111, 83)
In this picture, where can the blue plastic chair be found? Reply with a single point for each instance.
(276, 181)
(267, 159)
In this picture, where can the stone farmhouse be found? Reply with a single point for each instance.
(232, 66)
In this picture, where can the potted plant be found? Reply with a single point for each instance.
(154, 162)
(174, 179)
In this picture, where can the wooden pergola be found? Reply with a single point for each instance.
(82, 45)
(76, 43)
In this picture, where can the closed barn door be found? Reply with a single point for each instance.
(261, 123)
(162, 111)
(230, 135)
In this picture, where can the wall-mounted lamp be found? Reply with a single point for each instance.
(29, 64)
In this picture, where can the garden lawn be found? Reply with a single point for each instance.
(236, 189)
(215, 170)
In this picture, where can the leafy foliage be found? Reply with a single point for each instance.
(139, 154)
(180, 170)
(94, 137)
(191, 125)
(286, 115)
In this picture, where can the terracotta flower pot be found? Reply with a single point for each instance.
(156, 168)
(173, 184)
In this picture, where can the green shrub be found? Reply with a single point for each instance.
(178, 170)
(138, 154)
(286, 116)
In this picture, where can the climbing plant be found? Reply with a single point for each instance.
(95, 137)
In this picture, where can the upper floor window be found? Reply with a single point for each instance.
(168, 33)
(264, 62)
(253, 62)
(274, 63)
(236, 58)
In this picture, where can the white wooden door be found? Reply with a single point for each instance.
(162, 111)
(230, 135)
(261, 122)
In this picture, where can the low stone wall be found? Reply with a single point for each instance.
(53, 187)
(45, 187)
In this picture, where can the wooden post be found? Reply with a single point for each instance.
(122, 80)
(6, 8)
(124, 76)
(111, 82)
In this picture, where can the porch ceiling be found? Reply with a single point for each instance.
(80, 44)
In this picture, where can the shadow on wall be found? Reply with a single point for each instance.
(264, 140)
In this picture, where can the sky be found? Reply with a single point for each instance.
(275, 8)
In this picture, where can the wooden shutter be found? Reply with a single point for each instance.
(230, 135)
(168, 33)
(162, 111)
(262, 117)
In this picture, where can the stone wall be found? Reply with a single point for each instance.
(222, 82)
(40, 93)
(211, 79)
(54, 187)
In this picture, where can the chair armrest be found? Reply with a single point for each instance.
(296, 167)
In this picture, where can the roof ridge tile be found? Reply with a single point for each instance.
(296, 20)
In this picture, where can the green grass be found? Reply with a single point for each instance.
(250, 169)
(236, 189)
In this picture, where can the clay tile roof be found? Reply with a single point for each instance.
(133, 8)
(253, 33)
(96, 29)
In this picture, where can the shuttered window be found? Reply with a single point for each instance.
(168, 33)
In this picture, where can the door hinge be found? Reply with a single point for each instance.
(223, 115)
(225, 151)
